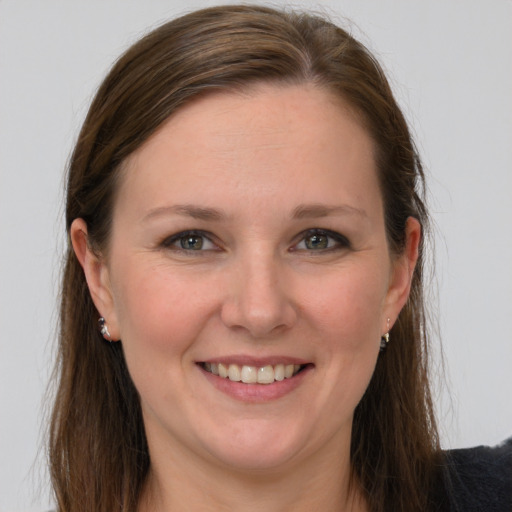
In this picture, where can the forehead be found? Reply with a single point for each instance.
(259, 110)
(256, 141)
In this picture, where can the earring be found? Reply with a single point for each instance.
(104, 329)
(384, 340)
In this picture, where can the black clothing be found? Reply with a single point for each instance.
(476, 480)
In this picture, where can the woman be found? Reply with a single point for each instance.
(242, 308)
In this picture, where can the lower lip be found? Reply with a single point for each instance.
(257, 393)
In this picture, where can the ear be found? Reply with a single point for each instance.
(401, 274)
(96, 274)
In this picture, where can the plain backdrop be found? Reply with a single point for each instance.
(450, 64)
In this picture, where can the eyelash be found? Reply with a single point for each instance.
(340, 241)
(335, 241)
(179, 238)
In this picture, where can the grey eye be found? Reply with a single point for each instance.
(191, 242)
(321, 240)
(316, 241)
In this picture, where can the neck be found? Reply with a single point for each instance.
(318, 483)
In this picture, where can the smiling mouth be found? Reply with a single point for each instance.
(253, 374)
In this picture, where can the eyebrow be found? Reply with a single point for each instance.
(187, 210)
(303, 211)
(313, 211)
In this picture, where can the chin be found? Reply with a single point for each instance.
(254, 459)
(258, 447)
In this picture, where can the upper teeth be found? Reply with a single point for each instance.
(253, 374)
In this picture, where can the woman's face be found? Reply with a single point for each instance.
(248, 237)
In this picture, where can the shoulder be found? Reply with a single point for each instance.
(477, 479)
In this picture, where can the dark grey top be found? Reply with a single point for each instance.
(476, 480)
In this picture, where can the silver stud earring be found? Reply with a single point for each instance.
(384, 340)
(104, 329)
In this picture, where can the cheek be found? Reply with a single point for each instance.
(349, 318)
(350, 309)
(161, 315)
(158, 310)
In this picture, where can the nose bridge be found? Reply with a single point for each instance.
(258, 300)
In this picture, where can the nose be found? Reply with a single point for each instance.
(259, 298)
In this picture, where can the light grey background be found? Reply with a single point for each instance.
(450, 64)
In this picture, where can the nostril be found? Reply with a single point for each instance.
(259, 319)
(258, 299)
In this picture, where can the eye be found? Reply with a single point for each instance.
(321, 240)
(190, 241)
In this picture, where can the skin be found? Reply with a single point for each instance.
(269, 164)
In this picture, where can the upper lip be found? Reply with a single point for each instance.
(245, 360)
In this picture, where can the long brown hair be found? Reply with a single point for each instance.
(98, 451)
